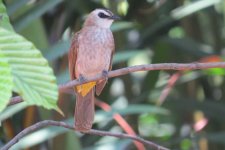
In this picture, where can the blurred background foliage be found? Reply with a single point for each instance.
(179, 110)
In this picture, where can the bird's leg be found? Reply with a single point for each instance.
(105, 74)
(81, 78)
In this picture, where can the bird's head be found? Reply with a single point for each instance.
(101, 17)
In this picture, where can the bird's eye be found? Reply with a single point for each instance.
(102, 15)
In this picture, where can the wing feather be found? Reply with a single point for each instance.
(72, 56)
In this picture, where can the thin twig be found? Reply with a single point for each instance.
(164, 66)
(92, 131)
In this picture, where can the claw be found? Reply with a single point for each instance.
(81, 78)
(83, 89)
(105, 74)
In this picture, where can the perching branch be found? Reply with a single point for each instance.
(64, 88)
(164, 66)
(149, 67)
(92, 131)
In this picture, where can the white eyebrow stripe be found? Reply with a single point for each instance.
(108, 12)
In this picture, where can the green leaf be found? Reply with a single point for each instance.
(58, 50)
(15, 6)
(211, 108)
(138, 109)
(33, 78)
(6, 82)
(118, 26)
(63, 76)
(4, 19)
(34, 13)
(126, 55)
(216, 137)
(131, 109)
(191, 8)
(188, 46)
(12, 110)
(215, 71)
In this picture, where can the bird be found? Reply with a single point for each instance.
(91, 53)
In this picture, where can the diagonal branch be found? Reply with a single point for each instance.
(92, 131)
(164, 66)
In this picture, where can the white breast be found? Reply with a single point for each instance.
(95, 49)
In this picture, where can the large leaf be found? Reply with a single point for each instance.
(131, 109)
(182, 106)
(12, 8)
(191, 8)
(126, 55)
(34, 13)
(6, 83)
(118, 26)
(11, 110)
(177, 14)
(57, 50)
(33, 78)
(4, 19)
(188, 46)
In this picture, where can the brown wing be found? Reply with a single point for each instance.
(84, 111)
(72, 56)
(113, 51)
(101, 84)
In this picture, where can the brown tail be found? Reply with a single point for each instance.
(84, 111)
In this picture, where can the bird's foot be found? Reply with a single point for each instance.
(81, 78)
(105, 74)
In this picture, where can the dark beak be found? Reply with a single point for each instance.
(114, 17)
